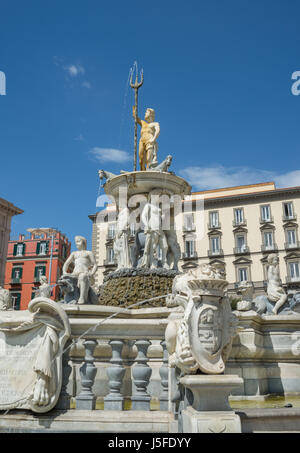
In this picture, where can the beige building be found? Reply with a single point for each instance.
(235, 227)
(7, 210)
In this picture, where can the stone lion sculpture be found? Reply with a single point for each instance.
(69, 287)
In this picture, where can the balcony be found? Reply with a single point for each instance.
(287, 218)
(292, 245)
(266, 220)
(110, 235)
(215, 226)
(290, 279)
(189, 228)
(237, 223)
(213, 253)
(110, 262)
(189, 255)
(269, 248)
(241, 250)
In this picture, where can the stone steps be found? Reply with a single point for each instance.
(84, 421)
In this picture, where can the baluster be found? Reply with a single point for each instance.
(64, 397)
(115, 372)
(141, 374)
(86, 399)
(164, 374)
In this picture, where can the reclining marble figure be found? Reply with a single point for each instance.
(31, 345)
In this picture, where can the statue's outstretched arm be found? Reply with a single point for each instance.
(138, 120)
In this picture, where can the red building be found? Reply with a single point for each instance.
(42, 253)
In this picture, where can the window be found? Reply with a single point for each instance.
(291, 237)
(215, 244)
(243, 274)
(19, 249)
(268, 240)
(241, 242)
(111, 230)
(42, 248)
(16, 273)
(110, 254)
(239, 216)
(189, 248)
(288, 210)
(16, 300)
(214, 219)
(294, 270)
(188, 222)
(265, 213)
(39, 271)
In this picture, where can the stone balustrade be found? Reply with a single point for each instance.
(116, 359)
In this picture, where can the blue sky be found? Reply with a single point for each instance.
(217, 72)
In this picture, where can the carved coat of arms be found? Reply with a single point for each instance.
(201, 339)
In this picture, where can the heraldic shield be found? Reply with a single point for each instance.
(210, 323)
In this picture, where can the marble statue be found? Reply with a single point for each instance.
(120, 246)
(201, 339)
(275, 292)
(163, 166)
(149, 133)
(5, 299)
(246, 291)
(174, 252)
(152, 218)
(85, 267)
(44, 289)
(105, 174)
(31, 342)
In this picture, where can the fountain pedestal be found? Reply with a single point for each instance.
(210, 411)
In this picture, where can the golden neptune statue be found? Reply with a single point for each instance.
(149, 133)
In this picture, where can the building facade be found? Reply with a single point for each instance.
(43, 252)
(235, 228)
(7, 211)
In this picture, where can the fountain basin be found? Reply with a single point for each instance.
(128, 286)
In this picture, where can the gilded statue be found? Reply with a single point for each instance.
(149, 133)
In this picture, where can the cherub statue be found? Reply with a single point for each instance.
(84, 268)
(149, 133)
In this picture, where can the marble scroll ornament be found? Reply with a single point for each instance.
(200, 339)
(31, 346)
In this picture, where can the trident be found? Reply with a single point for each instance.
(136, 87)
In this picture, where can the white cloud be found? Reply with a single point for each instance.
(74, 70)
(110, 155)
(204, 178)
